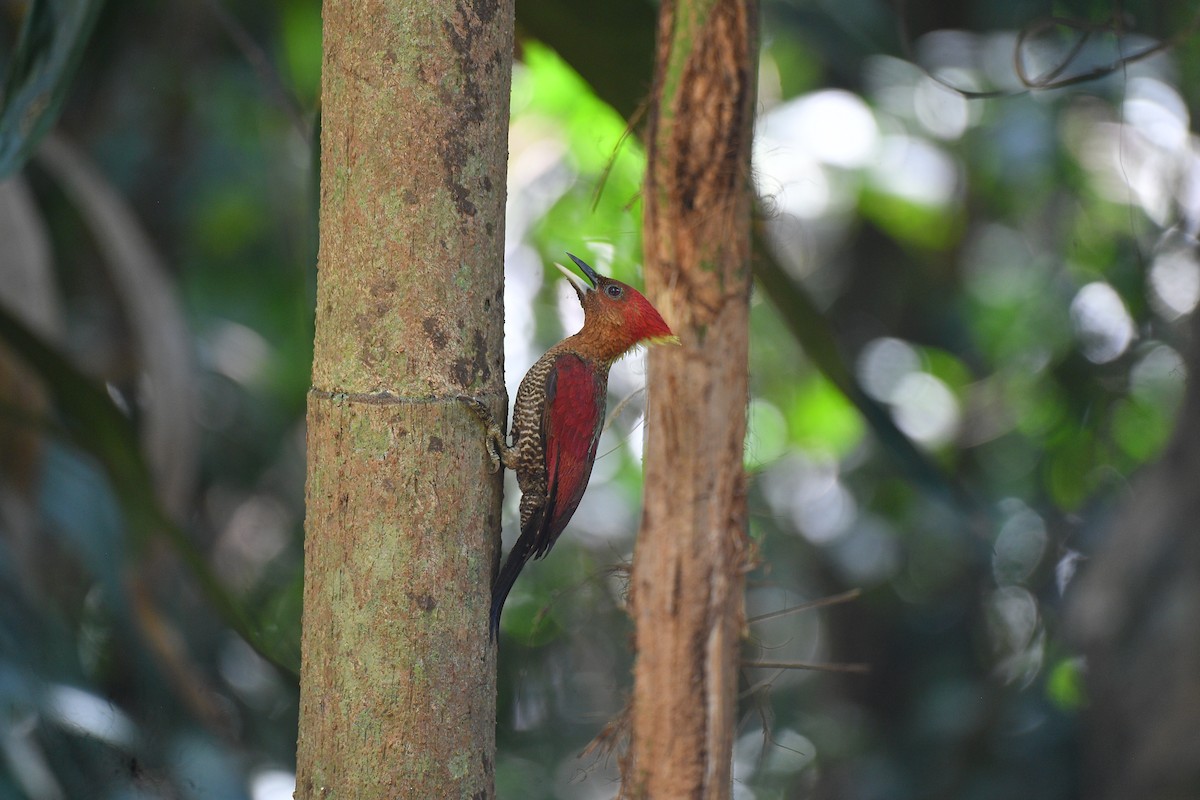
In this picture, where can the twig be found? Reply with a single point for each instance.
(859, 669)
(844, 597)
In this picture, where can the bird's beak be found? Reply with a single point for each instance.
(588, 271)
(580, 287)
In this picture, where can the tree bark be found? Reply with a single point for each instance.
(688, 570)
(397, 691)
(1134, 610)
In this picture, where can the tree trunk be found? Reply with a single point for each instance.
(688, 568)
(397, 691)
(1134, 610)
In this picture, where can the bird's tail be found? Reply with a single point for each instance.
(505, 580)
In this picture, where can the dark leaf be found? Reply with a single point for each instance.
(48, 49)
(91, 421)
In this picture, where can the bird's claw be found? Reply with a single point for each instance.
(495, 458)
(493, 439)
(478, 408)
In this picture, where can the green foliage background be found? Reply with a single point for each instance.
(137, 664)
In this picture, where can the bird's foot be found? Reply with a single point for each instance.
(493, 437)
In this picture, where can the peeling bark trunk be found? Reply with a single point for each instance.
(398, 675)
(687, 583)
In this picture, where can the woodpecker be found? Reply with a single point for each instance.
(559, 413)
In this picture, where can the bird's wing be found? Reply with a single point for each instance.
(571, 423)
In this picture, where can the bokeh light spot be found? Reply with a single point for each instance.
(1175, 282)
(915, 170)
(883, 364)
(925, 408)
(1019, 547)
(1102, 324)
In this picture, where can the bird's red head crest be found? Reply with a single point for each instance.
(616, 316)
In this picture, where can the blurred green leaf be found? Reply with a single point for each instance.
(302, 47)
(1072, 468)
(1140, 429)
(1037, 401)
(947, 368)
(821, 418)
(611, 44)
(592, 126)
(799, 70)
(1065, 684)
(766, 434)
(227, 221)
(601, 204)
(529, 620)
(607, 223)
(539, 609)
(49, 46)
(927, 227)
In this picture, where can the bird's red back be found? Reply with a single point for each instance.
(575, 399)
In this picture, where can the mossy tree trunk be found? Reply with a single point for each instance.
(690, 559)
(397, 694)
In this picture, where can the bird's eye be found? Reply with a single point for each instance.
(613, 291)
